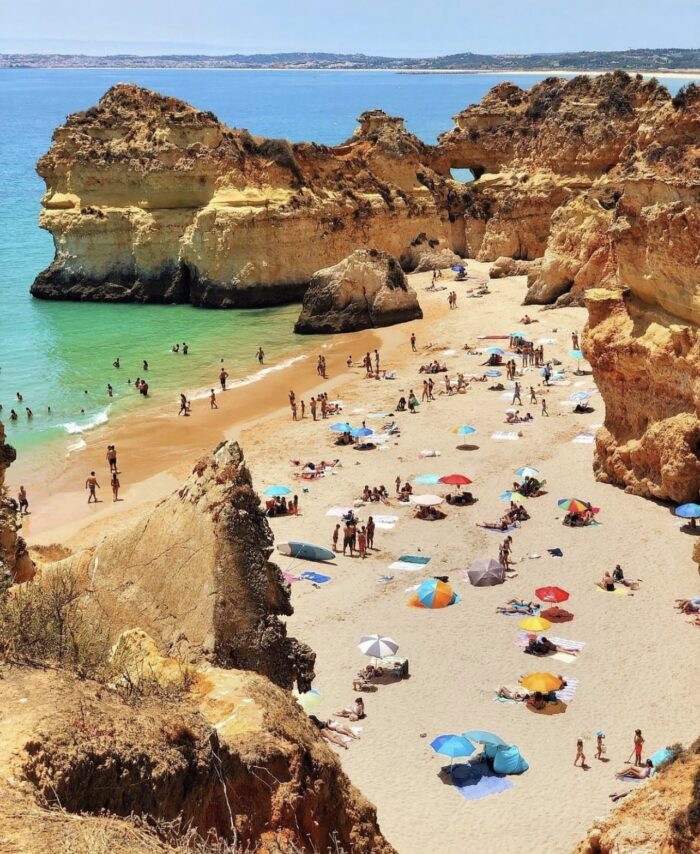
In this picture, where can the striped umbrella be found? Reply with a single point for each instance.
(433, 594)
(572, 505)
(310, 699)
(377, 646)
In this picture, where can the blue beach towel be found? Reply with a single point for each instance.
(478, 781)
(315, 577)
(414, 559)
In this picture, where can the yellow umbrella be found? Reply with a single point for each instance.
(543, 682)
(535, 624)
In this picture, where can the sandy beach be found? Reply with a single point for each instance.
(639, 666)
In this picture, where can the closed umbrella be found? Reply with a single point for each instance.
(452, 746)
(486, 572)
(455, 480)
(551, 594)
(275, 491)
(543, 682)
(377, 646)
(688, 511)
(535, 624)
(426, 500)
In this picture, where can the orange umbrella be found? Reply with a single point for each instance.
(543, 682)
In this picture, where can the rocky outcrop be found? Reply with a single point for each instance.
(427, 253)
(196, 570)
(231, 757)
(503, 267)
(15, 563)
(365, 290)
(647, 366)
(151, 200)
(660, 817)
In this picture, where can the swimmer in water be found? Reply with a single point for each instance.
(13, 415)
(109, 389)
(29, 412)
(145, 365)
(19, 397)
(116, 363)
(261, 356)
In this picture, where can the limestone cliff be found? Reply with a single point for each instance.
(363, 291)
(196, 571)
(15, 563)
(151, 200)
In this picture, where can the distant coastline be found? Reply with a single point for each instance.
(666, 62)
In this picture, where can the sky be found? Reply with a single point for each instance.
(411, 28)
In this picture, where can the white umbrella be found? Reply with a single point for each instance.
(426, 500)
(377, 646)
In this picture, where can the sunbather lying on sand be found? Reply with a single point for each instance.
(365, 675)
(433, 368)
(508, 694)
(327, 733)
(517, 606)
(355, 712)
(544, 646)
(607, 582)
(431, 514)
(689, 606)
(501, 525)
(336, 726)
(637, 773)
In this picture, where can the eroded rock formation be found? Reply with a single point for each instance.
(365, 290)
(151, 200)
(15, 563)
(197, 570)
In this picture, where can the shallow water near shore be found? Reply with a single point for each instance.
(53, 353)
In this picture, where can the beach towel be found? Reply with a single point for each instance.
(557, 552)
(346, 738)
(385, 526)
(290, 577)
(387, 520)
(404, 566)
(338, 511)
(618, 591)
(583, 439)
(566, 695)
(496, 530)
(314, 577)
(523, 638)
(477, 781)
(505, 436)
(420, 559)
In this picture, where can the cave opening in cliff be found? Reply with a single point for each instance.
(466, 175)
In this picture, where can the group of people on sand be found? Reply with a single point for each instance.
(356, 538)
(279, 506)
(376, 493)
(433, 367)
(617, 576)
(92, 484)
(579, 519)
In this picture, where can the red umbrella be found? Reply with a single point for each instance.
(455, 479)
(551, 594)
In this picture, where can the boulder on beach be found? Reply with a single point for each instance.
(365, 290)
(504, 266)
(427, 253)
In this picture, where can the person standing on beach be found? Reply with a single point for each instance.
(638, 747)
(516, 393)
(212, 399)
(184, 406)
(91, 484)
(347, 538)
(370, 533)
(292, 397)
(413, 341)
(294, 411)
(580, 754)
(362, 542)
(600, 747)
(112, 458)
(574, 340)
(544, 407)
(114, 483)
(313, 408)
(23, 501)
(223, 376)
(398, 485)
(261, 356)
(336, 534)
(376, 361)
(303, 409)
(431, 385)
(533, 396)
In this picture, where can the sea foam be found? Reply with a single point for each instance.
(88, 423)
(201, 394)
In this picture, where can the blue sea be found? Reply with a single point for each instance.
(60, 355)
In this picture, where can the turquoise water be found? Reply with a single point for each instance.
(54, 352)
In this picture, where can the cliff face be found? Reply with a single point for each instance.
(196, 571)
(149, 199)
(15, 563)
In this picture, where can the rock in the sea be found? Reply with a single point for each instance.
(503, 267)
(365, 290)
(427, 253)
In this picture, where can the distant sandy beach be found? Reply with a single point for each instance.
(639, 667)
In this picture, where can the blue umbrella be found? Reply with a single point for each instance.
(577, 354)
(465, 430)
(341, 427)
(580, 395)
(483, 737)
(527, 471)
(452, 746)
(458, 268)
(362, 431)
(688, 511)
(493, 373)
(496, 351)
(275, 491)
(427, 478)
(517, 334)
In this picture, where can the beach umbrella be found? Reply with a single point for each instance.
(434, 594)
(361, 432)
(486, 572)
(452, 746)
(480, 736)
(426, 500)
(527, 471)
(493, 373)
(455, 480)
(688, 511)
(543, 682)
(377, 646)
(517, 334)
(535, 624)
(551, 594)
(308, 700)
(572, 505)
(496, 351)
(341, 427)
(275, 491)
(458, 268)
(427, 479)
(464, 430)
(511, 496)
(577, 354)
(580, 396)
